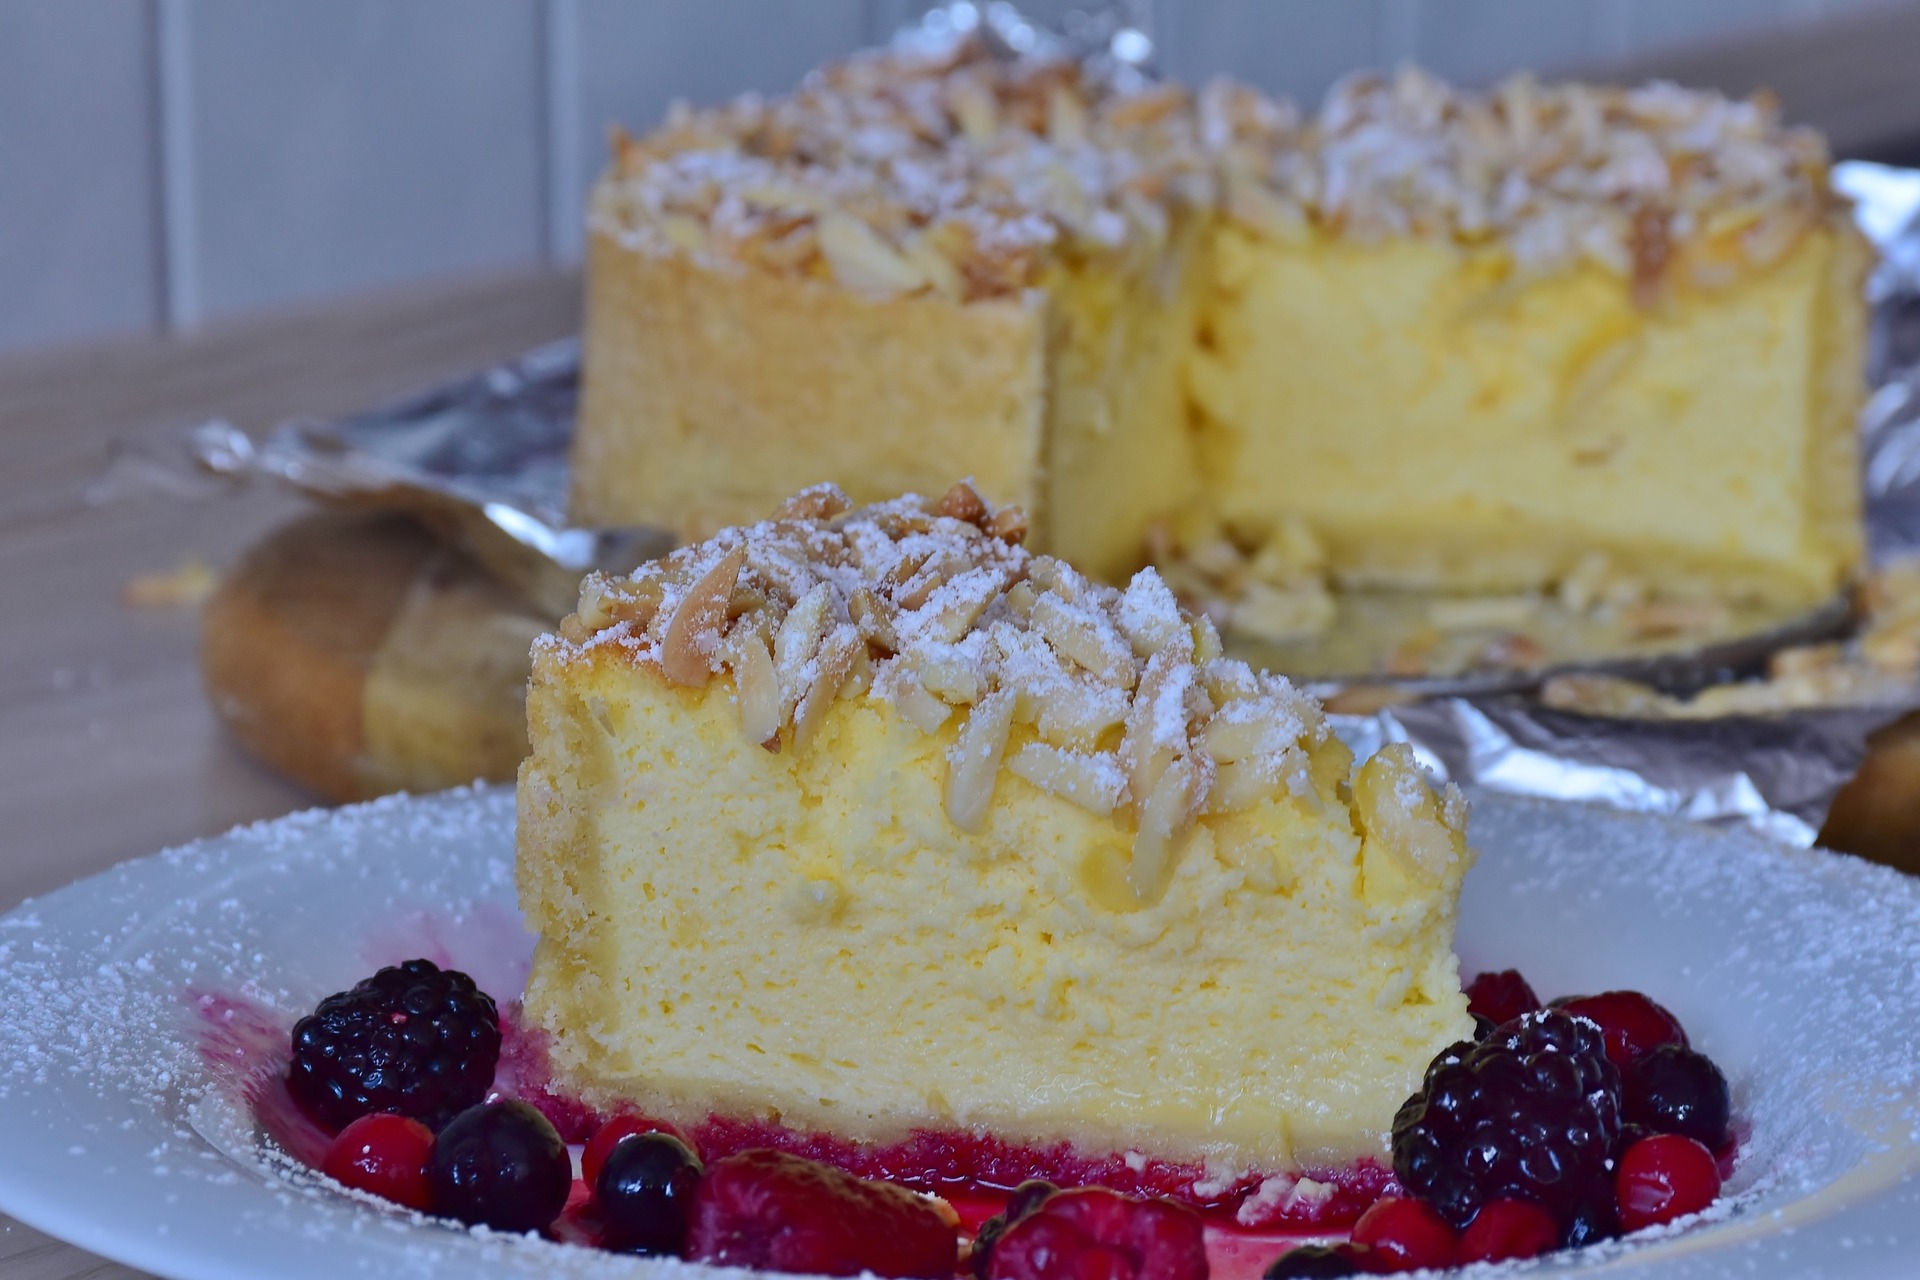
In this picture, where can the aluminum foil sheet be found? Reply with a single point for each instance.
(483, 460)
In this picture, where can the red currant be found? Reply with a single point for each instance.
(385, 1155)
(1501, 997)
(1631, 1023)
(612, 1134)
(1662, 1178)
(1406, 1235)
(1508, 1229)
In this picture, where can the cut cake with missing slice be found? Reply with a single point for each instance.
(871, 823)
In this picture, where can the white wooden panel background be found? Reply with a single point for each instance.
(164, 163)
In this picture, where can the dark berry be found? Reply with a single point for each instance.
(1406, 1234)
(779, 1212)
(1026, 1197)
(1595, 1218)
(1508, 1229)
(1632, 1023)
(1483, 1027)
(502, 1165)
(1672, 1089)
(1662, 1178)
(385, 1155)
(1093, 1232)
(1501, 997)
(1531, 1114)
(1319, 1262)
(612, 1134)
(413, 1039)
(645, 1193)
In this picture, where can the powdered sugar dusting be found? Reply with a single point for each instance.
(1799, 972)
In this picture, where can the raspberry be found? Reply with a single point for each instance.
(1026, 1197)
(1406, 1234)
(1320, 1262)
(612, 1134)
(645, 1191)
(1531, 1114)
(1632, 1023)
(413, 1039)
(1501, 997)
(1508, 1229)
(502, 1165)
(385, 1155)
(1662, 1178)
(1675, 1090)
(780, 1212)
(1090, 1232)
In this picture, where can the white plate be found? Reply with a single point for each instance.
(1799, 972)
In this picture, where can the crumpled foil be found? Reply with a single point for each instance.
(484, 461)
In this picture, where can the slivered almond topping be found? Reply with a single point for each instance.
(863, 260)
(692, 636)
(962, 503)
(756, 684)
(1086, 637)
(1113, 700)
(831, 667)
(974, 762)
(1009, 525)
(1094, 781)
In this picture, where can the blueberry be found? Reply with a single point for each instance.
(502, 1165)
(1595, 1218)
(1026, 1197)
(1672, 1089)
(645, 1193)
(1319, 1262)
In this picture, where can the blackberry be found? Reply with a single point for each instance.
(1532, 1114)
(1672, 1089)
(413, 1039)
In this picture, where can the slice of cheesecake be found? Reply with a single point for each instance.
(1469, 342)
(870, 823)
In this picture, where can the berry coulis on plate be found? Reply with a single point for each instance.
(1556, 1127)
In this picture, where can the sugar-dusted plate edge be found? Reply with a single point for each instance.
(1799, 970)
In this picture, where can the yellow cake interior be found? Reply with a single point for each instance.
(1459, 342)
(1004, 851)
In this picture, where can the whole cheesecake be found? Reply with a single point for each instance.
(868, 827)
(1548, 336)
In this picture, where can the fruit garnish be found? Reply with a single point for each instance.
(385, 1155)
(1508, 1229)
(1319, 1262)
(413, 1039)
(1026, 1197)
(645, 1190)
(1533, 1114)
(780, 1212)
(1500, 997)
(1632, 1023)
(1595, 1218)
(612, 1134)
(1662, 1178)
(502, 1165)
(1672, 1089)
(1406, 1234)
(1090, 1232)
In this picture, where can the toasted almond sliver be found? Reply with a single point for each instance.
(974, 762)
(799, 636)
(832, 666)
(1165, 816)
(1092, 781)
(926, 712)
(687, 648)
(962, 503)
(862, 259)
(756, 684)
(1086, 637)
(949, 677)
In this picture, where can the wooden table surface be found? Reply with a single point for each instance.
(111, 750)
